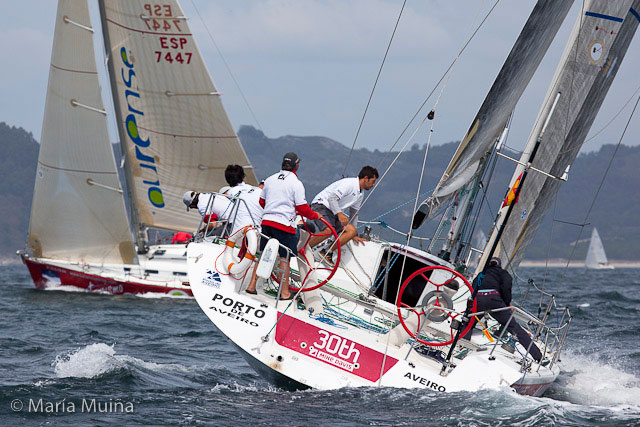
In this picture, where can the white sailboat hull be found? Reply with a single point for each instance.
(162, 272)
(295, 350)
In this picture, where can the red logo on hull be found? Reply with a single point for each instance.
(332, 349)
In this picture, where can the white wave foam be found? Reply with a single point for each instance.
(63, 288)
(583, 305)
(590, 382)
(97, 359)
(157, 295)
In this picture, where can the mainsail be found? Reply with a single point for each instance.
(596, 257)
(174, 130)
(78, 212)
(598, 44)
(519, 67)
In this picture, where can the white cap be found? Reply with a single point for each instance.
(187, 198)
(224, 189)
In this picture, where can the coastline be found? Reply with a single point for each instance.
(555, 263)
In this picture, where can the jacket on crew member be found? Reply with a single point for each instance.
(498, 279)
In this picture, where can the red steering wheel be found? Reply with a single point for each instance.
(302, 253)
(440, 297)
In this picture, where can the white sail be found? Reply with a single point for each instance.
(176, 134)
(78, 213)
(596, 257)
(518, 68)
(593, 55)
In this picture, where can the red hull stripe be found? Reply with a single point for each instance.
(332, 349)
(45, 273)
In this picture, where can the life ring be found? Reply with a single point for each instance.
(234, 263)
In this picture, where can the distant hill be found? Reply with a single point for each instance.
(614, 214)
(18, 159)
(323, 159)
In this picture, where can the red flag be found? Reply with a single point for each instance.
(511, 195)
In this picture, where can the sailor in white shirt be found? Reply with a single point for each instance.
(219, 208)
(339, 204)
(247, 209)
(283, 198)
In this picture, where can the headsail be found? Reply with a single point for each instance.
(596, 257)
(598, 44)
(77, 212)
(519, 67)
(171, 120)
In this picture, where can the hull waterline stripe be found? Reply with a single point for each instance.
(634, 13)
(147, 32)
(600, 15)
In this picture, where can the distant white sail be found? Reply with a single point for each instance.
(77, 213)
(171, 120)
(596, 257)
(591, 59)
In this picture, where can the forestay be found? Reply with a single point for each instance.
(171, 120)
(519, 67)
(77, 212)
(598, 44)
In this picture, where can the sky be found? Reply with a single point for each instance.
(307, 67)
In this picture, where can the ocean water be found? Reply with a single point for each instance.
(157, 361)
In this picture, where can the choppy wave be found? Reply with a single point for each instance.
(98, 359)
(588, 381)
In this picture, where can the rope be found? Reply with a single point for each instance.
(614, 116)
(439, 81)
(593, 202)
(373, 89)
(224, 61)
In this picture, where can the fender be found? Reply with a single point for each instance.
(233, 263)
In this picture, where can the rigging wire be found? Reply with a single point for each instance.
(593, 202)
(614, 116)
(373, 89)
(438, 83)
(224, 61)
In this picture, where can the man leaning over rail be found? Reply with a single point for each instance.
(495, 293)
(339, 203)
(283, 197)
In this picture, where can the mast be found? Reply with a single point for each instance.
(139, 232)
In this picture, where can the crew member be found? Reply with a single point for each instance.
(219, 209)
(181, 237)
(339, 204)
(495, 293)
(283, 198)
(248, 208)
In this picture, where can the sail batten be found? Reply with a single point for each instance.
(71, 218)
(523, 60)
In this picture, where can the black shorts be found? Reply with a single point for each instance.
(289, 240)
(329, 216)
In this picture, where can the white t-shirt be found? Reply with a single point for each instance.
(342, 196)
(282, 192)
(248, 205)
(221, 205)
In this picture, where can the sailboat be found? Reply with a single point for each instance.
(596, 257)
(87, 231)
(389, 314)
